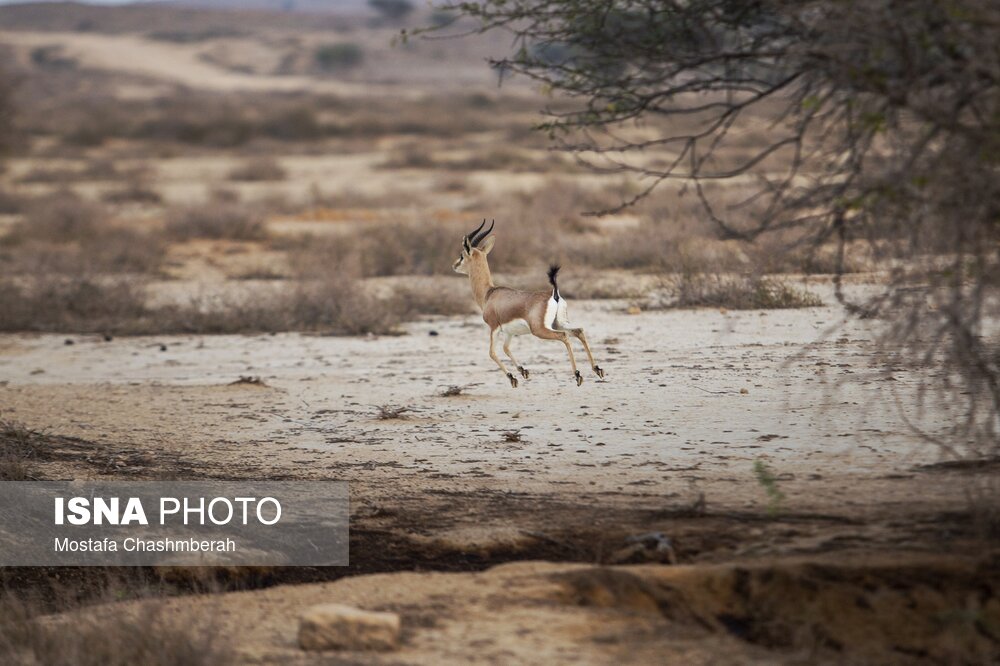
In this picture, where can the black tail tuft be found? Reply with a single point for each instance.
(553, 273)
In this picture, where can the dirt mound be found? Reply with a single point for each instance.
(927, 609)
(880, 612)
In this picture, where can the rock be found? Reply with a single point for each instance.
(335, 626)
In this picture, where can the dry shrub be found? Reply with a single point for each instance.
(95, 169)
(217, 221)
(428, 299)
(80, 305)
(416, 156)
(10, 202)
(335, 305)
(59, 218)
(546, 224)
(734, 292)
(259, 169)
(391, 412)
(134, 191)
(112, 250)
(122, 250)
(410, 156)
(150, 636)
(508, 159)
(19, 446)
(339, 305)
(385, 249)
(66, 235)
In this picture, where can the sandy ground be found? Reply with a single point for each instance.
(666, 443)
(691, 400)
(187, 65)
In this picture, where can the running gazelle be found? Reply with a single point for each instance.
(514, 312)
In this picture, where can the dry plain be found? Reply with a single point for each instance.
(747, 485)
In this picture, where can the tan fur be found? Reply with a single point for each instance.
(502, 305)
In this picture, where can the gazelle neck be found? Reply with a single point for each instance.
(482, 281)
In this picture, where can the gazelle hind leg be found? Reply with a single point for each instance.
(582, 337)
(549, 334)
(496, 359)
(506, 350)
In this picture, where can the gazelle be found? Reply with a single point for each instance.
(514, 312)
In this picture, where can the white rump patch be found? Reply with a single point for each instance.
(560, 320)
(551, 313)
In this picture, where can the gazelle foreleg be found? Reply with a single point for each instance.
(506, 350)
(582, 337)
(549, 334)
(496, 359)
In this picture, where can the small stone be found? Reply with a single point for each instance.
(743, 391)
(68, 342)
(335, 626)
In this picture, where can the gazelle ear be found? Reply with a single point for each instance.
(487, 244)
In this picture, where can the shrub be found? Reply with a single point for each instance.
(739, 292)
(415, 300)
(338, 57)
(383, 250)
(71, 305)
(258, 169)
(11, 203)
(59, 218)
(150, 636)
(392, 10)
(215, 220)
(134, 191)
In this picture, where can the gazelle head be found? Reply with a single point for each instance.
(475, 247)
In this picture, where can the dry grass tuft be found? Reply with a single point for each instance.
(390, 412)
(248, 380)
(151, 637)
(19, 446)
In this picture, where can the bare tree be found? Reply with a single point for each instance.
(884, 129)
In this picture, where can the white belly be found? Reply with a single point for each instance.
(515, 327)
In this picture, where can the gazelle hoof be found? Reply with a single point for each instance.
(579, 378)
(523, 371)
(513, 380)
(598, 371)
